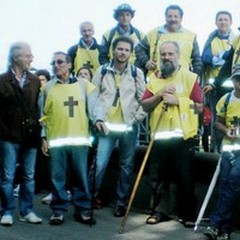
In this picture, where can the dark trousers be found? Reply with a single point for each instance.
(173, 160)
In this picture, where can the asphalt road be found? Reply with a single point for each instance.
(107, 228)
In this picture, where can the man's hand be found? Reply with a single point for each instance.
(232, 133)
(170, 99)
(151, 65)
(207, 88)
(168, 89)
(44, 147)
(102, 128)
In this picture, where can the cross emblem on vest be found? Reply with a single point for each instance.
(70, 103)
(192, 106)
(88, 65)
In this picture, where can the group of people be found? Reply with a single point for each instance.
(112, 87)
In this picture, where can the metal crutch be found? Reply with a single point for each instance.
(208, 195)
(139, 176)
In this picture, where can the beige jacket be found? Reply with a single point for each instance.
(130, 93)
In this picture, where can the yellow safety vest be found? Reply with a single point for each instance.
(184, 38)
(217, 45)
(65, 115)
(177, 121)
(86, 57)
(232, 117)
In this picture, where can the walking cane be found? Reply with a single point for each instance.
(124, 220)
(208, 195)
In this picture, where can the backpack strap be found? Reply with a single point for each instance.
(134, 72)
(134, 75)
(138, 34)
(225, 105)
(103, 72)
(111, 35)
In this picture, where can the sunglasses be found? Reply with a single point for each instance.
(58, 62)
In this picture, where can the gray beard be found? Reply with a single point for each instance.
(167, 69)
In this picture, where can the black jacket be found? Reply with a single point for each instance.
(19, 109)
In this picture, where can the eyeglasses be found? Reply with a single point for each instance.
(58, 62)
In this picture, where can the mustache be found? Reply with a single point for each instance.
(167, 61)
(167, 68)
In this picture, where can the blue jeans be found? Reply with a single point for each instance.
(10, 155)
(127, 144)
(73, 159)
(229, 190)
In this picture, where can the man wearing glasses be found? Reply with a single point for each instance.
(65, 137)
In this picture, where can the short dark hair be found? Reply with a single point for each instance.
(68, 58)
(122, 39)
(174, 7)
(225, 13)
(87, 68)
(43, 72)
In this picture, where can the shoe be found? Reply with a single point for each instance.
(56, 219)
(119, 211)
(85, 219)
(30, 218)
(157, 218)
(47, 199)
(188, 224)
(211, 232)
(6, 220)
(223, 236)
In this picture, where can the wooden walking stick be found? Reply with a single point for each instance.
(137, 182)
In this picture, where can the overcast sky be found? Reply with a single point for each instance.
(51, 25)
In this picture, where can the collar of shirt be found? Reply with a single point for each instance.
(84, 45)
(124, 32)
(112, 69)
(69, 81)
(21, 80)
(223, 36)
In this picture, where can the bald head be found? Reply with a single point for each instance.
(87, 31)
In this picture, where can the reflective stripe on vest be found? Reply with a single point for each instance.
(229, 148)
(176, 133)
(70, 141)
(118, 127)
